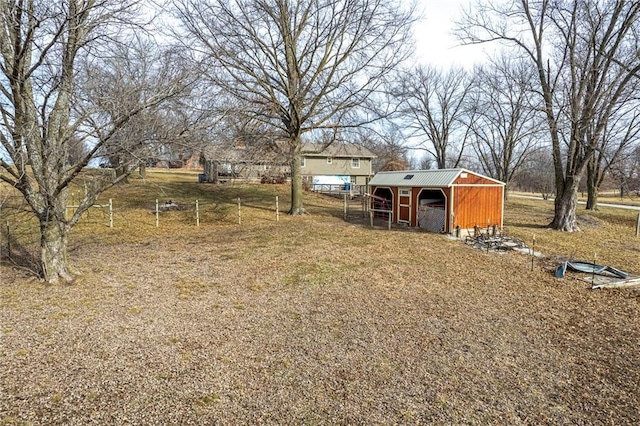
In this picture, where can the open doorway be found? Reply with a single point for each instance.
(382, 202)
(432, 207)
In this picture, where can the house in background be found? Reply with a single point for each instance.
(240, 161)
(438, 200)
(328, 164)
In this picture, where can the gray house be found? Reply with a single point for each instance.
(322, 163)
(335, 163)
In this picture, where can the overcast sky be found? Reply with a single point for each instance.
(434, 42)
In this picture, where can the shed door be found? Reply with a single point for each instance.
(404, 205)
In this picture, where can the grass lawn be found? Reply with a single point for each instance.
(315, 320)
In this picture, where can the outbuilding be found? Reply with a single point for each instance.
(438, 200)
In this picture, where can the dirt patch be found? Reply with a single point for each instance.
(588, 221)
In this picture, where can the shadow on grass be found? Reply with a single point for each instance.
(527, 225)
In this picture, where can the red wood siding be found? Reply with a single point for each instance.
(472, 205)
(477, 205)
(472, 179)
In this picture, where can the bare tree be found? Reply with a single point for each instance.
(585, 56)
(536, 174)
(434, 104)
(301, 66)
(387, 142)
(620, 136)
(506, 124)
(122, 81)
(42, 44)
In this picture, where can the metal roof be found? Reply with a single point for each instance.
(436, 178)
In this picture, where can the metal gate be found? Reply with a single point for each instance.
(432, 218)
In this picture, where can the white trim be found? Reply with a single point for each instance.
(390, 192)
(502, 201)
(409, 206)
(446, 199)
(479, 175)
(492, 185)
(452, 211)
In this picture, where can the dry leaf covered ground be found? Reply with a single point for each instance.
(312, 320)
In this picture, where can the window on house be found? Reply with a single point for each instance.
(355, 163)
(329, 160)
(303, 162)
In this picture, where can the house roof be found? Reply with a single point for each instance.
(269, 153)
(242, 154)
(423, 178)
(336, 150)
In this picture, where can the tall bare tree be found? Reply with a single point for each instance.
(506, 124)
(301, 66)
(585, 54)
(619, 137)
(434, 106)
(42, 44)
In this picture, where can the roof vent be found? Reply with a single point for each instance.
(408, 177)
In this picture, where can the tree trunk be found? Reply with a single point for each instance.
(297, 207)
(592, 197)
(121, 171)
(211, 171)
(592, 184)
(142, 170)
(54, 236)
(564, 218)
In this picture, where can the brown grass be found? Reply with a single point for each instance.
(314, 320)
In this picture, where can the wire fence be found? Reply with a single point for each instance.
(20, 234)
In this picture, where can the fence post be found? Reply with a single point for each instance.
(533, 251)
(345, 207)
(371, 218)
(239, 213)
(638, 225)
(8, 241)
(197, 213)
(110, 213)
(277, 210)
(157, 214)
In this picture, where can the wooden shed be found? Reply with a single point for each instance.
(438, 200)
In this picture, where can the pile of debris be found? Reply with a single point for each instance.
(493, 241)
(600, 276)
(168, 206)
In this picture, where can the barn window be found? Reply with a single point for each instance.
(355, 163)
(408, 177)
(329, 160)
(303, 162)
